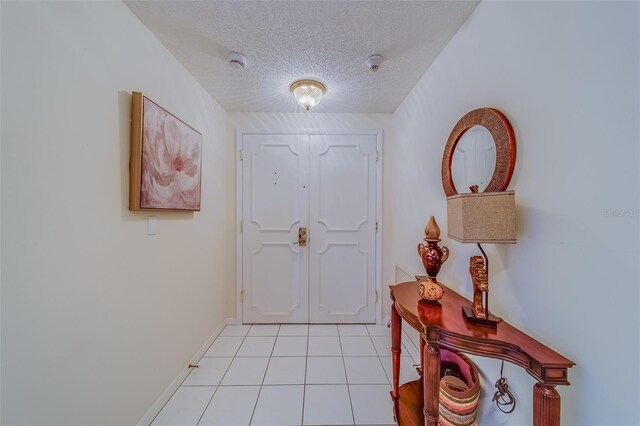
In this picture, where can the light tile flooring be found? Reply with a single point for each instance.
(291, 375)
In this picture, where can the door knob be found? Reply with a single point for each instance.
(302, 237)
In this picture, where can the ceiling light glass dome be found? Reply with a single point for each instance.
(308, 93)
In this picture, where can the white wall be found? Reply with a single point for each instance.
(567, 76)
(97, 317)
(1, 9)
(305, 121)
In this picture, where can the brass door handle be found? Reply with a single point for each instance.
(302, 237)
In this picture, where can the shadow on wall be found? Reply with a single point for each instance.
(543, 236)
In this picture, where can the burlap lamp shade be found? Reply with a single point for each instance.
(486, 217)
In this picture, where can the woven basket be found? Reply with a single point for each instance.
(459, 390)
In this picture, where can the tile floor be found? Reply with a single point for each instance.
(291, 375)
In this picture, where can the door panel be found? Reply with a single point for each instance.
(275, 291)
(342, 214)
(342, 287)
(275, 169)
(274, 206)
(342, 173)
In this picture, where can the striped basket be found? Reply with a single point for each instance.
(459, 393)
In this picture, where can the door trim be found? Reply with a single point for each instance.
(239, 132)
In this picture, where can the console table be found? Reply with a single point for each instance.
(441, 325)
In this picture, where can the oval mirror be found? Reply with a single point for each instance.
(474, 159)
(473, 163)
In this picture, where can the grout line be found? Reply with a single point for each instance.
(221, 378)
(225, 372)
(304, 385)
(390, 380)
(346, 378)
(264, 376)
(183, 380)
(207, 406)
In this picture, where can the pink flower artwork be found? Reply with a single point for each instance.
(171, 161)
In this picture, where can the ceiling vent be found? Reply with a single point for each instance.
(373, 62)
(237, 61)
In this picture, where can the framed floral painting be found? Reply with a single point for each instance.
(166, 159)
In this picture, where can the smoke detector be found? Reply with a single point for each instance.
(373, 62)
(237, 61)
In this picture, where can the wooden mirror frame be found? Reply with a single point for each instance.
(498, 125)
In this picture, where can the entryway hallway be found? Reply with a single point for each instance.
(291, 375)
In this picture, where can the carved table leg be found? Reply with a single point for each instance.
(421, 368)
(396, 332)
(431, 378)
(546, 405)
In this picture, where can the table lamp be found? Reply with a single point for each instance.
(487, 217)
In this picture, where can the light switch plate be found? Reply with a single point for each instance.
(152, 225)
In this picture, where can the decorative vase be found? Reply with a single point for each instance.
(433, 256)
(430, 290)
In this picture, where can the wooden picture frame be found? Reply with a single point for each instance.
(166, 159)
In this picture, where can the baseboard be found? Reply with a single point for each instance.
(232, 321)
(410, 346)
(175, 384)
(402, 275)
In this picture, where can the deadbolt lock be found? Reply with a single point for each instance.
(302, 237)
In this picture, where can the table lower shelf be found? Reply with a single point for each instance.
(408, 406)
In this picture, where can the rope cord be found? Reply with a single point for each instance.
(503, 396)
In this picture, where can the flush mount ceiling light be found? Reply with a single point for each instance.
(308, 93)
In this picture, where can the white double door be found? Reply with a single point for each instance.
(325, 183)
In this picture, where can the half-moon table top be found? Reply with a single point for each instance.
(445, 321)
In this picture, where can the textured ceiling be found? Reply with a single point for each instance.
(287, 40)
